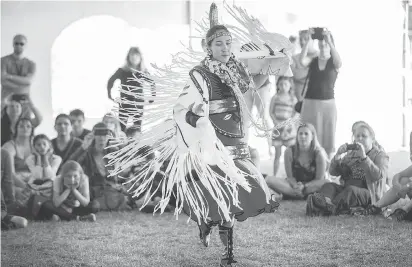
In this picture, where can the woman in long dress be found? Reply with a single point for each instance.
(212, 96)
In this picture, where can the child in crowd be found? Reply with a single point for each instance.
(402, 188)
(282, 108)
(71, 197)
(77, 118)
(43, 165)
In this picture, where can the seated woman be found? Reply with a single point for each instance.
(305, 165)
(20, 148)
(14, 109)
(363, 174)
(402, 187)
(8, 221)
(91, 156)
(71, 197)
(43, 165)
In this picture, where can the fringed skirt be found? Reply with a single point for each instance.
(259, 200)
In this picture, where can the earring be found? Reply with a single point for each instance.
(209, 52)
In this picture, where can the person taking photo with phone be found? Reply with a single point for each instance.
(319, 107)
(363, 170)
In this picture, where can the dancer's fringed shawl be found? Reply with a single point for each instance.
(181, 148)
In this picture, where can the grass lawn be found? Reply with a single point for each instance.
(286, 238)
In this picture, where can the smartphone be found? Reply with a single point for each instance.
(19, 97)
(352, 146)
(103, 132)
(317, 33)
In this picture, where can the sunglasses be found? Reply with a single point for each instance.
(21, 44)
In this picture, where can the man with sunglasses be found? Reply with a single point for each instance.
(17, 71)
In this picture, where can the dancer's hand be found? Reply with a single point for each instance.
(202, 122)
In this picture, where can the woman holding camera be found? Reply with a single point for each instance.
(363, 174)
(319, 106)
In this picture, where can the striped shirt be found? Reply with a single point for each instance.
(283, 106)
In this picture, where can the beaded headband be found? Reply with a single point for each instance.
(219, 34)
(213, 21)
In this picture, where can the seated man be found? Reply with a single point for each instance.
(77, 118)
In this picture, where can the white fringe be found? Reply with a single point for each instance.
(164, 137)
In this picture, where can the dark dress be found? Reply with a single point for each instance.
(226, 117)
(125, 77)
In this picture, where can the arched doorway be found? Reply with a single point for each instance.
(90, 50)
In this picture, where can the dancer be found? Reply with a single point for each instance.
(209, 170)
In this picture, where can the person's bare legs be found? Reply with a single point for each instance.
(391, 196)
(276, 162)
(282, 186)
(388, 198)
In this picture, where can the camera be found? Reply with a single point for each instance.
(19, 97)
(102, 132)
(352, 146)
(317, 33)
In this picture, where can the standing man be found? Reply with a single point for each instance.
(17, 71)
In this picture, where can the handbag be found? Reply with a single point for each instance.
(298, 105)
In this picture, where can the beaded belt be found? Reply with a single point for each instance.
(240, 151)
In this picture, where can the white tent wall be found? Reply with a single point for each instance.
(368, 35)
